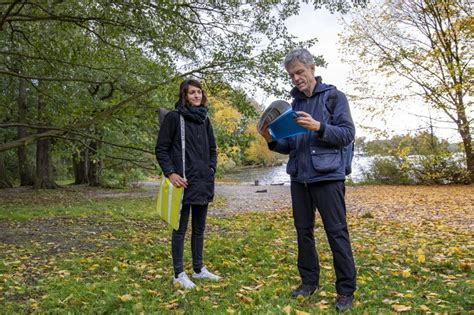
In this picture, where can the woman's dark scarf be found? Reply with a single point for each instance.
(197, 114)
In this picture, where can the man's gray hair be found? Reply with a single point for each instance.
(299, 54)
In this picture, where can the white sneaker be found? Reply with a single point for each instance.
(206, 274)
(184, 281)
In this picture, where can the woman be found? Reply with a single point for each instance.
(200, 163)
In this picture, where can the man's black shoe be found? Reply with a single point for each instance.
(304, 290)
(344, 302)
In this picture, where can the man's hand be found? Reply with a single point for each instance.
(307, 121)
(177, 180)
(266, 134)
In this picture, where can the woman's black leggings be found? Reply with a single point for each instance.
(199, 214)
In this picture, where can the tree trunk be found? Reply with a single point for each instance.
(466, 139)
(80, 164)
(94, 166)
(4, 181)
(464, 129)
(26, 177)
(43, 170)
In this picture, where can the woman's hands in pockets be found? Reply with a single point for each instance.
(178, 181)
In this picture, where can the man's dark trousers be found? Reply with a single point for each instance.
(328, 198)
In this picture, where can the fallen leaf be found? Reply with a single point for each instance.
(401, 308)
(125, 298)
(424, 308)
(287, 310)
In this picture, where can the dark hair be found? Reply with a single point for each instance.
(183, 91)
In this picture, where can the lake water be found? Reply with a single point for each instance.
(277, 174)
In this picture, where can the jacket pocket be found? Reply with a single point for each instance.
(326, 160)
(178, 164)
(292, 166)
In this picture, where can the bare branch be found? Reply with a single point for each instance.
(82, 134)
(7, 12)
(100, 115)
(28, 77)
(134, 162)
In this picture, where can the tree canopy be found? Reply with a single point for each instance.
(77, 76)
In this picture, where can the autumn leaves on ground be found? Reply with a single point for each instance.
(413, 248)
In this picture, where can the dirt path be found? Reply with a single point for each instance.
(230, 198)
(393, 201)
(254, 198)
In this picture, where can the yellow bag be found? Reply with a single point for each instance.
(169, 201)
(170, 198)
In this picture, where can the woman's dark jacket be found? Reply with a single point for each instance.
(201, 155)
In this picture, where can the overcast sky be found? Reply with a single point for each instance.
(326, 26)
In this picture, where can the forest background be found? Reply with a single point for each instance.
(81, 82)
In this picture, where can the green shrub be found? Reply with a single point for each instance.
(441, 169)
(389, 170)
(122, 178)
(436, 169)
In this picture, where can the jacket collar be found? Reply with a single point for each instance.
(318, 88)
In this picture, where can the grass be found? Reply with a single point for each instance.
(113, 256)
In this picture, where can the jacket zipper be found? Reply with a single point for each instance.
(303, 152)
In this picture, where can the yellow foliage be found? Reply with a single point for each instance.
(222, 158)
(224, 161)
(258, 151)
(234, 149)
(225, 115)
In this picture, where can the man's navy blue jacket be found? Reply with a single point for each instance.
(317, 155)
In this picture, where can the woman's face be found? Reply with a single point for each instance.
(194, 95)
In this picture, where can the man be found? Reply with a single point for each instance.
(317, 169)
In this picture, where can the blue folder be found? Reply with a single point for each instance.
(285, 126)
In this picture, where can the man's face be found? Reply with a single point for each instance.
(302, 77)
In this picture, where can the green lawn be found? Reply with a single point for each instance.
(113, 256)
